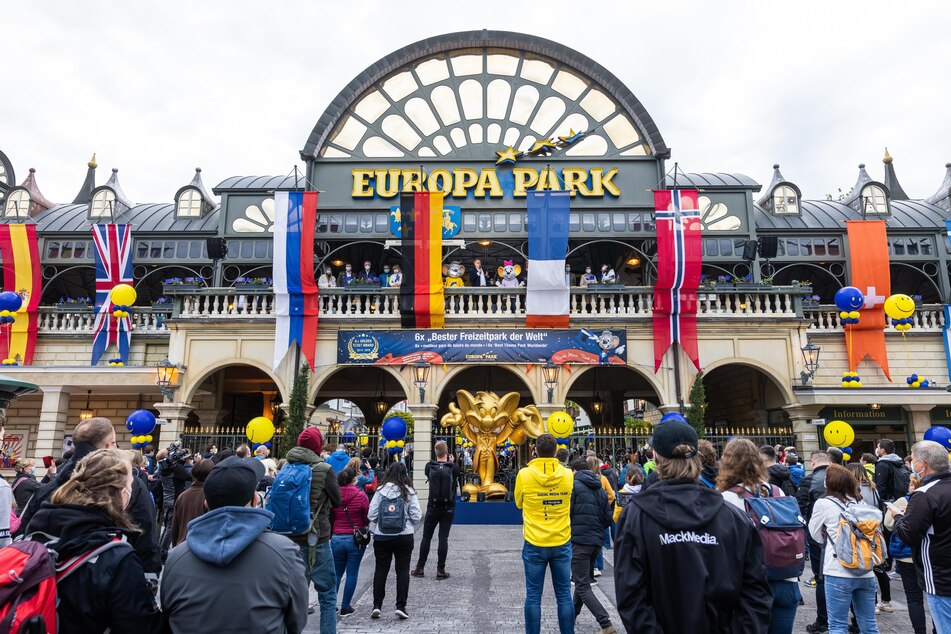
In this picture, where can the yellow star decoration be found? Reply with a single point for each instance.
(541, 145)
(569, 137)
(507, 156)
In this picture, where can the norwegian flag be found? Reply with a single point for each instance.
(679, 254)
(113, 245)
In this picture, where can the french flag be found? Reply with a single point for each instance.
(679, 255)
(547, 294)
(295, 289)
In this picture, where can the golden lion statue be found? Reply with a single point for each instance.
(487, 420)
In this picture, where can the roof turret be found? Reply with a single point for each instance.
(891, 180)
(85, 192)
(38, 202)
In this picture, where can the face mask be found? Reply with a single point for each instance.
(366, 268)
(348, 267)
(327, 271)
(587, 270)
(386, 270)
(567, 269)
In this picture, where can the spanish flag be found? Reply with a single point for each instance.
(20, 251)
(421, 295)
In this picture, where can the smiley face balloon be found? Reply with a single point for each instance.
(849, 298)
(899, 306)
(838, 433)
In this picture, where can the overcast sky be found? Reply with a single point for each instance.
(236, 87)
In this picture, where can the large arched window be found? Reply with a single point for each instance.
(785, 200)
(18, 204)
(469, 103)
(874, 200)
(188, 204)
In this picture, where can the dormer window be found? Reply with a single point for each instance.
(17, 205)
(103, 204)
(874, 200)
(189, 204)
(785, 200)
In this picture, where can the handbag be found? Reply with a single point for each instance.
(361, 536)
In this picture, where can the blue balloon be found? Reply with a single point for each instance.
(394, 428)
(847, 451)
(141, 422)
(10, 301)
(349, 437)
(940, 435)
(849, 298)
(382, 442)
(255, 445)
(268, 444)
(672, 416)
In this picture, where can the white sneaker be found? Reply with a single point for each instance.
(375, 614)
(401, 614)
(884, 606)
(597, 573)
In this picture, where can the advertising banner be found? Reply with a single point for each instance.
(402, 347)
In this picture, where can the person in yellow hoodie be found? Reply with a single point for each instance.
(543, 492)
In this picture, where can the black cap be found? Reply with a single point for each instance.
(232, 482)
(671, 433)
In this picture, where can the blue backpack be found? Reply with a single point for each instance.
(289, 499)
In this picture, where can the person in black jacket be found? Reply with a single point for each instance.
(590, 515)
(108, 592)
(891, 476)
(679, 539)
(778, 473)
(926, 527)
(811, 488)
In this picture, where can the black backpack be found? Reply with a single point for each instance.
(441, 492)
(901, 479)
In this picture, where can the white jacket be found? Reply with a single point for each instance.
(825, 521)
(413, 511)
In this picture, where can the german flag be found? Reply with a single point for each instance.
(20, 251)
(421, 296)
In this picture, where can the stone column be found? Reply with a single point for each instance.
(807, 434)
(423, 414)
(52, 425)
(919, 421)
(174, 415)
(547, 409)
(210, 417)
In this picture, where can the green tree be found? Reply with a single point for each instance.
(297, 409)
(697, 413)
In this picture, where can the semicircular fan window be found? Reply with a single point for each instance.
(256, 219)
(717, 216)
(470, 103)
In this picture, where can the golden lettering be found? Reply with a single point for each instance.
(361, 184)
(548, 179)
(576, 180)
(607, 183)
(464, 178)
(412, 180)
(488, 180)
(525, 177)
(388, 182)
(440, 174)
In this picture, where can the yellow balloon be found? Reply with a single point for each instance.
(400, 443)
(148, 438)
(899, 306)
(839, 433)
(560, 424)
(458, 440)
(846, 457)
(123, 295)
(260, 430)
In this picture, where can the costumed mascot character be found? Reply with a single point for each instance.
(508, 274)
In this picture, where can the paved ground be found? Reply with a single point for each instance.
(486, 592)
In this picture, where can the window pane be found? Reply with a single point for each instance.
(833, 246)
(468, 222)
(366, 223)
(574, 222)
(780, 248)
(819, 246)
(726, 247)
(260, 249)
(336, 221)
(485, 222)
(649, 222)
(710, 247)
(633, 222)
(604, 222)
(898, 246)
(805, 247)
(382, 223)
(52, 249)
(168, 252)
(194, 249)
(350, 223)
(155, 252)
(515, 222)
(247, 249)
(911, 245)
(67, 250)
(925, 245)
(498, 223)
(618, 222)
(322, 225)
(142, 250)
(181, 249)
(587, 222)
(792, 248)
(79, 251)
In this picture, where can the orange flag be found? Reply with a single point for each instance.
(868, 252)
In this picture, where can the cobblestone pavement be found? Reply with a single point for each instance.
(487, 588)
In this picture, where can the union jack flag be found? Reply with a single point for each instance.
(113, 245)
(679, 254)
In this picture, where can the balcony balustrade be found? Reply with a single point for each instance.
(928, 318)
(81, 320)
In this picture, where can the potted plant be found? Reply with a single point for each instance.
(183, 283)
(918, 302)
(805, 286)
(252, 283)
(73, 303)
(162, 302)
(725, 283)
(810, 301)
(746, 282)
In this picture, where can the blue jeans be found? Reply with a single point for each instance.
(536, 559)
(857, 591)
(347, 558)
(325, 583)
(940, 612)
(785, 603)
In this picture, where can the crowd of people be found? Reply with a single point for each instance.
(729, 534)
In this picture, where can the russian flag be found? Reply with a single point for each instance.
(547, 294)
(295, 289)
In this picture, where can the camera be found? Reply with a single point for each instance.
(176, 455)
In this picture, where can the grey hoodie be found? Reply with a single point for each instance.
(413, 511)
(231, 575)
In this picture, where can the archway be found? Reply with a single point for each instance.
(745, 400)
(911, 280)
(225, 400)
(373, 391)
(824, 283)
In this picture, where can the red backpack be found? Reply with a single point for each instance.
(28, 581)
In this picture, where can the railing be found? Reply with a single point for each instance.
(198, 441)
(81, 320)
(928, 318)
(505, 304)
